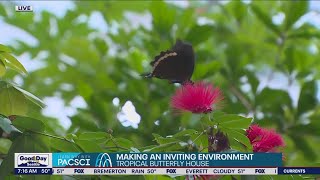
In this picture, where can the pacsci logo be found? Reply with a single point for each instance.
(33, 160)
(24, 8)
(103, 160)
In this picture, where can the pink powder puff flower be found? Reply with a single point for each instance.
(264, 140)
(196, 98)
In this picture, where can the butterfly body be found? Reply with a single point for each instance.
(175, 65)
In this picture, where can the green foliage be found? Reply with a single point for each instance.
(7, 60)
(16, 101)
(6, 125)
(238, 46)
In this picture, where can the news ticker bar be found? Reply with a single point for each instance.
(154, 163)
(168, 171)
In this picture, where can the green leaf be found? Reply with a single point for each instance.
(198, 34)
(101, 46)
(253, 80)
(98, 137)
(93, 135)
(168, 147)
(89, 146)
(294, 10)
(133, 149)
(233, 121)
(31, 97)
(6, 126)
(64, 146)
(120, 142)
(238, 9)
(217, 114)
(304, 33)
(186, 132)
(163, 140)
(312, 129)
(307, 99)
(16, 101)
(4, 48)
(304, 146)
(162, 17)
(238, 140)
(265, 19)
(28, 124)
(3, 11)
(2, 69)
(4, 145)
(12, 102)
(185, 20)
(204, 70)
(13, 63)
(83, 120)
(166, 144)
(266, 99)
(200, 140)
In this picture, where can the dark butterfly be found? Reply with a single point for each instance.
(175, 65)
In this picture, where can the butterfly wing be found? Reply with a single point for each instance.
(175, 65)
(162, 54)
(186, 60)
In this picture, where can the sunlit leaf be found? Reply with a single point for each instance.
(2, 69)
(31, 97)
(4, 145)
(13, 63)
(13, 102)
(4, 48)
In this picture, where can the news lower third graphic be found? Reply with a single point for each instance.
(33, 163)
(155, 163)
